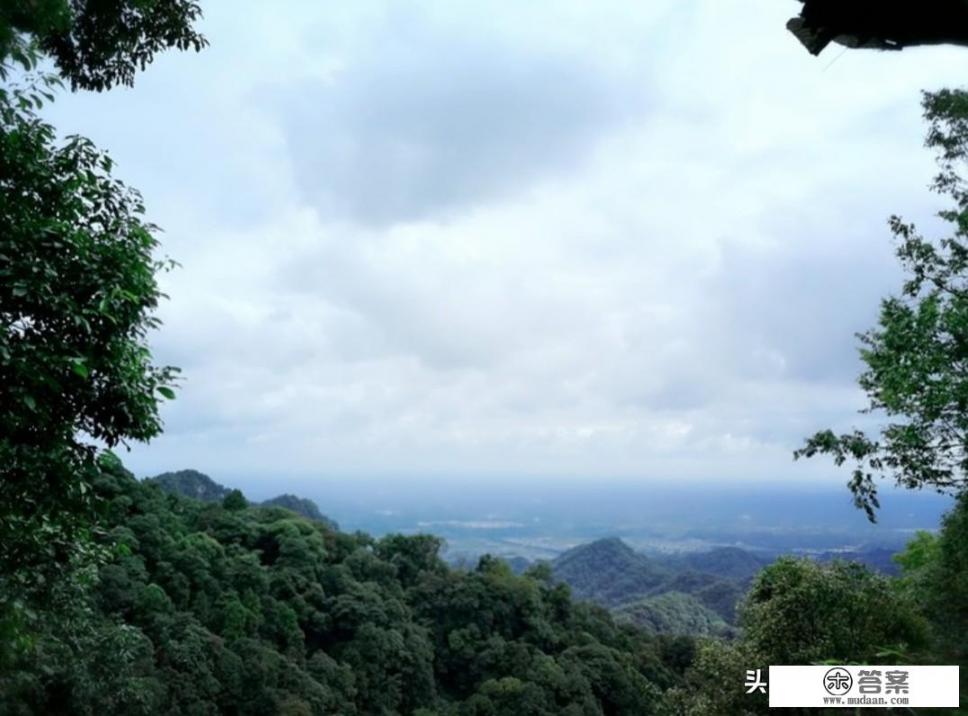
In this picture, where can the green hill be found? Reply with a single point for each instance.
(674, 613)
(301, 506)
(191, 483)
(608, 572)
(723, 597)
(719, 594)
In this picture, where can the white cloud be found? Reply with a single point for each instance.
(517, 238)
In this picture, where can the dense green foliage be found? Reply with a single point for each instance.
(674, 613)
(96, 44)
(935, 575)
(799, 611)
(917, 357)
(947, 586)
(204, 609)
(802, 612)
(77, 293)
(77, 280)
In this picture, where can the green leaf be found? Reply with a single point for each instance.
(167, 392)
(79, 367)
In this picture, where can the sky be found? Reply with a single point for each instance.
(545, 239)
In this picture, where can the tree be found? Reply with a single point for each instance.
(411, 555)
(935, 575)
(945, 583)
(77, 294)
(77, 271)
(235, 501)
(96, 44)
(715, 683)
(917, 356)
(800, 612)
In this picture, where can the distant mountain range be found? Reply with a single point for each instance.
(197, 485)
(694, 593)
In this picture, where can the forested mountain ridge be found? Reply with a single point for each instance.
(608, 572)
(191, 483)
(611, 573)
(205, 608)
(199, 486)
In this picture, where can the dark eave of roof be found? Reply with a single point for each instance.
(880, 24)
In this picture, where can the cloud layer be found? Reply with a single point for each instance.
(527, 238)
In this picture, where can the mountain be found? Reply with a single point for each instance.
(718, 594)
(674, 613)
(723, 597)
(729, 562)
(611, 573)
(301, 506)
(608, 572)
(190, 483)
(199, 486)
(718, 578)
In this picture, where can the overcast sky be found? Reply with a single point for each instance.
(546, 238)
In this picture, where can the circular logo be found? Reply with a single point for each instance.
(837, 681)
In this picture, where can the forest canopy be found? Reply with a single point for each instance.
(205, 609)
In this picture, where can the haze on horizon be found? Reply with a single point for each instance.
(544, 239)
